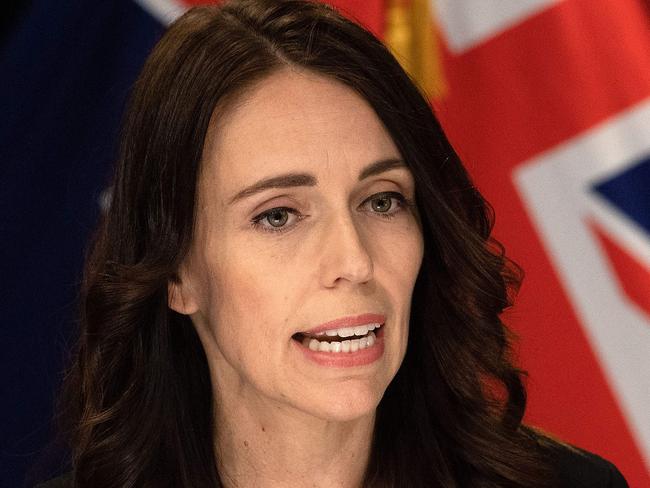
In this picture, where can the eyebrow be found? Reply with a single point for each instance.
(290, 180)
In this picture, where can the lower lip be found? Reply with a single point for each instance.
(346, 359)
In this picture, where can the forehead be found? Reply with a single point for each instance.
(294, 121)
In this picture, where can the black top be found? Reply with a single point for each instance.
(577, 468)
(582, 469)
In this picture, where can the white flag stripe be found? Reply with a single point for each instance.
(557, 189)
(620, 228)
(165, 11)
(466, 23)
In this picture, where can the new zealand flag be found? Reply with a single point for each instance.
(549, 103)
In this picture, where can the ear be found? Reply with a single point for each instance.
(180, 296)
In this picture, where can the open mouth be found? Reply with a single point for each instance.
(346, 340)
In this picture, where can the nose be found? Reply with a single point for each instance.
(345, 256)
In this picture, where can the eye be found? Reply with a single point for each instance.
(385, 203)
(381, 204)
(277, 218)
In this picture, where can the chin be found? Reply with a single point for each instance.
(348, 406)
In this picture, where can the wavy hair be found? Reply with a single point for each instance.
(136, 401)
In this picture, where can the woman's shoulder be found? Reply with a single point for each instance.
(578, 468)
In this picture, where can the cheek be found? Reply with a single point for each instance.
(400, 256)
(246, 304)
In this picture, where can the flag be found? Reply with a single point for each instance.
(548, 103)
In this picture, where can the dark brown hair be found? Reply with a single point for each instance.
(137, 399)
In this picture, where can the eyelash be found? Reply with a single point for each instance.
(404, 203)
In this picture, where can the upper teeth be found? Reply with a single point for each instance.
(359, 330)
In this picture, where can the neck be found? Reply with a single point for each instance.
(262, 445)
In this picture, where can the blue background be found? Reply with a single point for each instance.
(66, 70)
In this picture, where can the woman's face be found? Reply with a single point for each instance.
(331, 239)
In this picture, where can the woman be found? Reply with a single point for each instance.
(295, 283)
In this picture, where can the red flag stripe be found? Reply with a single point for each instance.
(634, 277)
(559, 59)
